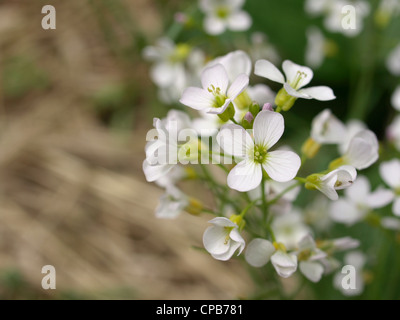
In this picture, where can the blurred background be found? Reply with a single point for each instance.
(75, 105)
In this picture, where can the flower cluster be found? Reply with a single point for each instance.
(231, 125)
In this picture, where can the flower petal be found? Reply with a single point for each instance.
(311, 270)
(294, 93)
(321, 93)
(282, 166)
(284, 264)
(363, 150)
(234, 140)
(291, 71)
(155, 172)
(223, 222)
(258, 252)
(346, 212)
(214, 240)
(379, 198)
(396, 99)
(390, 173)
(245, 176)
(326, 128)
(215, 76)
(268, 128)
(359, 191)
(238, 86)
(266, 69)
(261, 93)
(396, 207)
(214, 25)
(229, 253)
(239, 21)
(197, 98)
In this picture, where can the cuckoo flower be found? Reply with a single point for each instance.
(216, 94)
(222, 239)
(280, 165)
(296, 77)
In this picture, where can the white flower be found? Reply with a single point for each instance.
(172, 203)
(390, 173)
(296, 78)
(362, 151)
(222, 239)
(393, 132)
(289, 228)
(356, 259)
(359, 201)
(345, 243)
(315, 50)
(393, 61)
(280, 165)
(309, 256)
(396, 99)
(353, 127)
(326, 128)
(317, 7)
(224, 14)
(235, 63)
(260, 251)
(215, 96)
(274, 188)
(161, 154)
(341, 178)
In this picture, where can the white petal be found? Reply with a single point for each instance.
(268, 128)
(235, 236)
(220, 109)
(359, 191)
(391, 223)
(396, 207)
(197, 98)
(291, 71)
(327, 185)
(346, 243)
(234, 140)
(213, 25)
(282, 166)
(353, 127)
(396, 99)
(222, 222)
(238, 86)
(239, 21)
(363, 150)
(346, 175)
(312, 270)
(390, 173)
(266, 69)
(163, 74)
(215, 76)
(279, 187)
(235, 63)
(380, 198)
(320, 93)
(346, 212)
(214, 240)
(155, 172)
(245, 176)
(306, 243)
(258, 252)
(294, 93)
(228, 254)
(235, 4)
(284, 264)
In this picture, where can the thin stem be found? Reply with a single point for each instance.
(234, 121)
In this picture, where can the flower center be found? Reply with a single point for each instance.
(180, 53)
(228, 237)
(222, 12)
(296, 83)
(220, 98)
(259, 154)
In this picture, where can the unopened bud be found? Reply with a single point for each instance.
(267, 107)
(249, 117)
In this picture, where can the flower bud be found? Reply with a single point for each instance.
(267, 107)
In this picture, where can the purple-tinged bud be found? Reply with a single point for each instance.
(267, 107)
(249, 117)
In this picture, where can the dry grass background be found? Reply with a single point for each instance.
(72, 193)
